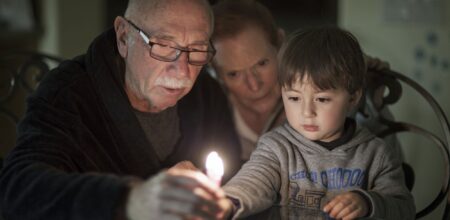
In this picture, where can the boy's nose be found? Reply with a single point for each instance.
(308, 109)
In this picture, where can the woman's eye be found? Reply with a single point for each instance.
(263, 62)
(295, 99)
(232, 74)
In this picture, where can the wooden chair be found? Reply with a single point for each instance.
(376, 99)
(20, 73)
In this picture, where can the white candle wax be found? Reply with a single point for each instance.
(214, 167)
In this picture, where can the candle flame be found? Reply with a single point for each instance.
(214, 164)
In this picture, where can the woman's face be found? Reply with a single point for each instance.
(247, 65)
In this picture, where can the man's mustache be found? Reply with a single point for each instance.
(173, 83)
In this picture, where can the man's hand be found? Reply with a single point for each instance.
(346, 206)
(177, 194)
(185, 165)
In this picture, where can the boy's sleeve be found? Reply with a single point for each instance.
(389, 196)
(255, 186)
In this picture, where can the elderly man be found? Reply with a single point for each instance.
(101, 128)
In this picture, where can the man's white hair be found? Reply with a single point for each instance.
(149, 8)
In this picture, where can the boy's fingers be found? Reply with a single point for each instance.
(336, 209)
(346, 206)
(352, 215)
(329, 205)
(346, 211)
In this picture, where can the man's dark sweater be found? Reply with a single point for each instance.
(80, 140)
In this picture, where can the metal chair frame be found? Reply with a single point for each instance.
(18, 75)
(391, 80)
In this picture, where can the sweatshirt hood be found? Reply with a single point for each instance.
(361, 135)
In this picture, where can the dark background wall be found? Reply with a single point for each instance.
(290, 14)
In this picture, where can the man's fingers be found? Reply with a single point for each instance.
(197, 196)
(175, 194)
(191, 188)
(187, 210)
(192, 179)
(185, 165)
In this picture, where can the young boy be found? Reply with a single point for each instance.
(320, 159)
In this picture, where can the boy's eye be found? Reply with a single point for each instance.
(293, 98)
(323, 99)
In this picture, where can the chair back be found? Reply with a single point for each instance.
(20, 74)
(377, 99)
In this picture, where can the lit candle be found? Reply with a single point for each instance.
(214, 167)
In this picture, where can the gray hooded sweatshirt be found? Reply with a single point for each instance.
(287, 169)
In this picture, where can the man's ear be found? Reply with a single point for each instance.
(121, 29)
(281, 34)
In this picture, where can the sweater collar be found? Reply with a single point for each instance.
(349, 130)
(106, 68)
(359, 136)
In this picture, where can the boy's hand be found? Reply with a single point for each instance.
(349, 205)
(227, 207)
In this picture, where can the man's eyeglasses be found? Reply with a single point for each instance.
(166, 52)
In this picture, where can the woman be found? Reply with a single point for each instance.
(247, 41)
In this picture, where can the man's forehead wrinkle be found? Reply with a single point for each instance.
(167, 18)
(182, 35)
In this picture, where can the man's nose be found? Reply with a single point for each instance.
(253, 80)
(182, 64)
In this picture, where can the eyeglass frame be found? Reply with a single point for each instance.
(179, 50)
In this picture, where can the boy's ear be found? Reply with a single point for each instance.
(120, 27)
(355, 97)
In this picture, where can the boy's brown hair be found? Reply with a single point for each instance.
(331, 58)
